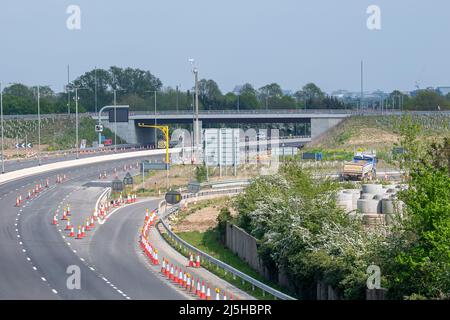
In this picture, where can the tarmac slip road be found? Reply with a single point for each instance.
(114, 251)
(33, 256)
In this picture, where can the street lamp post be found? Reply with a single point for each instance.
(197, 129)
(39, 125)
(1, 110)
(76, 119)
(115, 118)
(155, 134)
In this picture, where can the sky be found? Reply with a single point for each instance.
(291, 42)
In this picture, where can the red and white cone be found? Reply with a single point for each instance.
(72, 233)
(68, 227)
(191, 260)
(55, 220)
(79, 234)
(92, 225)
(197, 263)
(203, 292)
(208, 294)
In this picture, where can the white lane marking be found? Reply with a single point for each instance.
(34, 268)
(28, 258)
(43, 279)
(54, 291)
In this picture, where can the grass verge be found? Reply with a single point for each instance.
(209, 243)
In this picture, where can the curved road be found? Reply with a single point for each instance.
(34, 255)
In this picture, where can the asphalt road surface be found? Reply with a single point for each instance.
(34, 256)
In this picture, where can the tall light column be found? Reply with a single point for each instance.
(1, 114)
(39, 125)
(76, 120)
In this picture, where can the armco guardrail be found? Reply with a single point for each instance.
(211, 260)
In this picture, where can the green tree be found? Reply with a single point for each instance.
(209, 95)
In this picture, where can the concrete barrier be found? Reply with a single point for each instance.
(22, 173)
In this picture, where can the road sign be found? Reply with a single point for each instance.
(173, 197)
(128, 180)
(154, 166)
(98, 128)
(23, 145)
(117, 185)
(194, 187)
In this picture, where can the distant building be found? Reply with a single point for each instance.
(443, 90)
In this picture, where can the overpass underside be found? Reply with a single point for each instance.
(304, 127)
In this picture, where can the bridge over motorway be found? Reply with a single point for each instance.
(306, 123)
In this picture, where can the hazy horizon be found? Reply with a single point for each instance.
(289, 42)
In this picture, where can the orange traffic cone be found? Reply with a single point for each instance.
(55, 221)
(71, 234)
(82, 231)
(197, 264)
(64, 217)
(167, 269)
(68, 225)
(193, 285)
(224, 295)
(146, 214)
(198, 291)
(163, 266)
(88, 228)
(92, 225)
(208, 294)
(180, 277)
(191, 260)
(79, 234)
(184, 280)
(155, 259)
(17, 202)
(203, 292)
(171, 272)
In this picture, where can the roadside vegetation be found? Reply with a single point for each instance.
(56, 133)
(300, 229)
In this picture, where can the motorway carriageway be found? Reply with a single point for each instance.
(34, 254)
(17, 164)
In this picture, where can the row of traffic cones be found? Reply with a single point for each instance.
(186, 280)
(60, 178)
(177, 274)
